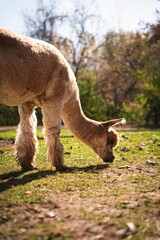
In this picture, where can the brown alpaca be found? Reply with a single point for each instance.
(35, 74)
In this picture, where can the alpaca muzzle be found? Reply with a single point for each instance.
(109, 159)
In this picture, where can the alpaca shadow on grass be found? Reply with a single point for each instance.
(90, 168)
(13, 180)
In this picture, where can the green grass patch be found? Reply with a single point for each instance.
(125, 191)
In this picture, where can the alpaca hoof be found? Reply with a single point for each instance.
(28, 168)
(61, 168)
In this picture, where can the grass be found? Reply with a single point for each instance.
(90, 199)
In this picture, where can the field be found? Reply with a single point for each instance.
(91, 200)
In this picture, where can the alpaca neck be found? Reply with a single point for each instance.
(75, 120)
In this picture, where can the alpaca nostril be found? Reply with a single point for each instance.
(109, 159)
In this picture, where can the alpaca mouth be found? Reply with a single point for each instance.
(109, 159)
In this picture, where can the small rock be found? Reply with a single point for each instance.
(51, 214)
(149, 162)
(124, 159)
(131, 227)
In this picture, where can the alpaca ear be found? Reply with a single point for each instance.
(113, 122)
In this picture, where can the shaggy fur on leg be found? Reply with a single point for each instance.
(55, 153)
(26, 140)
(51, 120)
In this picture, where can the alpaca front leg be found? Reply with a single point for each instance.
(54, 150)
(51, 121)
(26, 140)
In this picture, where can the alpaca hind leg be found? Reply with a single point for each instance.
(26, 140)
(51, 121)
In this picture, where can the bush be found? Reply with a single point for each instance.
(8, 115)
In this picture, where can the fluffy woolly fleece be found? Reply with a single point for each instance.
(34, 74)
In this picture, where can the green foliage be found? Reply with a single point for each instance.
(39, 116)
(94, 106)
(134, 112)
(132, 75)
(9, 134)
(152, 93)
(8, 115)
(152, 106)
(123, 77)
(124, 80)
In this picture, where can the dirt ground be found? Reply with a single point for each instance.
(72, 214)
(6, 143)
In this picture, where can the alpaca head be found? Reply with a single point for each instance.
(107, 139)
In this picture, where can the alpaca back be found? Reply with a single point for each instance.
(28, 67)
